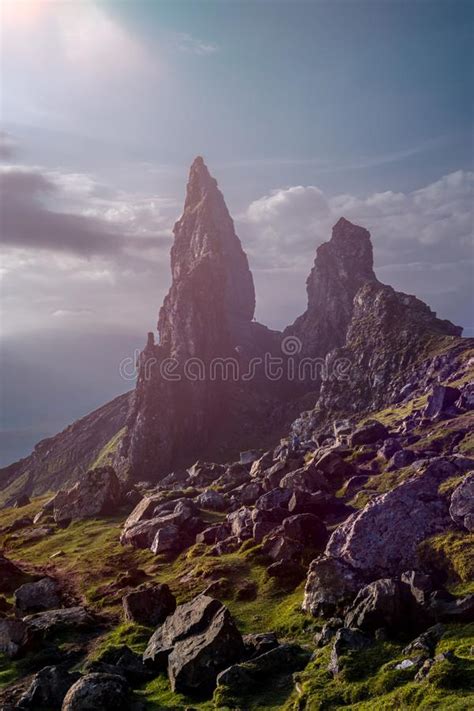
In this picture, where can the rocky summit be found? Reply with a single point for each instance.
(229, 543)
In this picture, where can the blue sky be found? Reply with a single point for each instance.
(303, 111)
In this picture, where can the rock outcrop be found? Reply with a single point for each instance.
(342, 266)
(382, 538)
(187, 399)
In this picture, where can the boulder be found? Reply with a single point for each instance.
(149, 605)
(425, 643)
(42, 595)
(461, 508)
(402, 458)
(382, 538)
(196, 642)
(370, 432)
(247, 494)
(334, 469)
(258, 643)
(326, 506)
(188, 619)
(212, 534)
(287, 571)
(122, 661)
(259, 465)
(387, 604)
(55, 620)
(97, 493)
(107, 692)
(389, 447)
(331, 584)
(48, 688)
(167, 539)
(328, 631)
(346, 641)
(194, 663)
(307, 479)
(203, 473)
(284, 659)
(306, 528)
(211, 500)
(276, 498)
(241, 524)
(143, 511)
(142, 534)
(16, 637)
(441, 399)
(280, 548)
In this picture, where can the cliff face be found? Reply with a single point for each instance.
(389, 335)
(341, 267)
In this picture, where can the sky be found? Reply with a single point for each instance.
(303, 110)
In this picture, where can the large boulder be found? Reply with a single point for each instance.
(56, 620)
(276, 498)
(370, 432)
(97, 493)
(16, 637)
(461, 508)
(387, 604)
(143, 511)
(107, 692)
(334, 469)
(241, 523)
(149, 605)
(188, 619)
(42, 595)
(331, 584)
(382, 539)
(211, 500)
(195, 661)
(48, 689)
(441, 399)
(195, 643)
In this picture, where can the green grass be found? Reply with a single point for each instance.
(451, 552)
(106, 454)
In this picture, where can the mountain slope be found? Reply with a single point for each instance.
(58, 461)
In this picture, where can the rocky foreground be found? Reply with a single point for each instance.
(335, 574)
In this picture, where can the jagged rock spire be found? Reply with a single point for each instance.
(342, 266)
(212, 293)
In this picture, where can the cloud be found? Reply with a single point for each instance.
(422, 242)
(187, 43)
(438, 216)
(95, 220)
(8, 146)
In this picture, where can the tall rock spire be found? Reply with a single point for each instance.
(206, 314)
(342, 266)
(212, 293)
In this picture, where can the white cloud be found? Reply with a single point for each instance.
(439, 215)
(187, 43)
